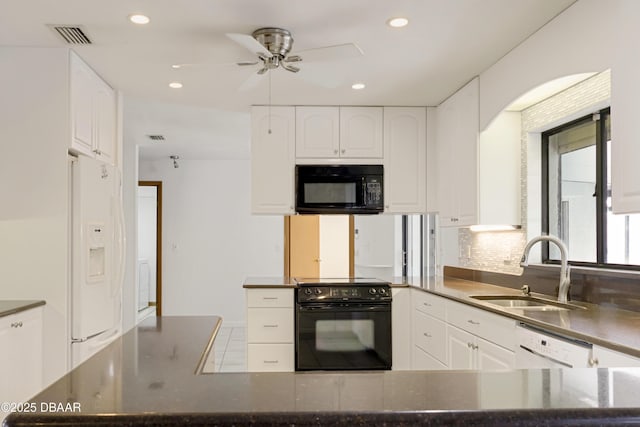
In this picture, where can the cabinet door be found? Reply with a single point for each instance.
(317, 132)
(105, 122)
(493, 357)
(405, 159)
(24, 355)
(424, 361)
(272, 160)
(605, 358)
(457, 147)
(81, 86)
(460, 349)
(625, 92)
(361, 132)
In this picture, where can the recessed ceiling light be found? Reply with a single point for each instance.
(397, 22)
(175, 85)
(358, 86)
(176, 66)
(139, 19)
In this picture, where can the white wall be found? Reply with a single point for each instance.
(34, 196)
(211, 242)
(577, 41)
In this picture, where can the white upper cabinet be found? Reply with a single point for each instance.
(499, 171)
(405, 159)
(361, 132)
(625, 92)
(272, 160)
(457, 154)
(339, 132)
(317, 132)
(93, 113)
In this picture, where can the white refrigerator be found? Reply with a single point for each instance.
(97, 257)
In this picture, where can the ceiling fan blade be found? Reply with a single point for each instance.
(244, 63)
(330, 53)
(251, 82)
(249, 43)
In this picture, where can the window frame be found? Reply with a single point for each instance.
(601, 191)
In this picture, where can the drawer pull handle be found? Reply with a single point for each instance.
(267, 298)
(270, 326)
(426, 304)
(427, 335)
(16, 324)
(472, 322)
(270, 361)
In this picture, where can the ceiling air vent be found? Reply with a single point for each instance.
(156, 138)
(71, 34)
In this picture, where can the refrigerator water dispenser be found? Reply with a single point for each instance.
(97, 253)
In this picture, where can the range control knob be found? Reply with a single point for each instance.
(318, 291)
(307, 291)
(383, 291)
(372, 291)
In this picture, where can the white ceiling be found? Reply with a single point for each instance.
(445, 44)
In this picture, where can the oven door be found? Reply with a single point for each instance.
(343, 336)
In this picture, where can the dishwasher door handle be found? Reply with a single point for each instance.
(546, 357)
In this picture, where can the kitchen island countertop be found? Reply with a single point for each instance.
(147, 377)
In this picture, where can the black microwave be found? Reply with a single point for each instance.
(339, 189)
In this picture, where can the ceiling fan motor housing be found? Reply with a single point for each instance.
(277, 40)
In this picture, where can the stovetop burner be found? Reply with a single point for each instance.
(340, 281)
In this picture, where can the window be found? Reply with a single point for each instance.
(577, 196)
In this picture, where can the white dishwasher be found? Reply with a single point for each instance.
(538, 348)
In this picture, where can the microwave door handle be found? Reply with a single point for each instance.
(364, 192)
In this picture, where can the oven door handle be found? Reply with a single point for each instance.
(345, 308)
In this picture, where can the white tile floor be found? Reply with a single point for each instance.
(229, 350)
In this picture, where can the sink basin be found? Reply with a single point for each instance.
(522, 302)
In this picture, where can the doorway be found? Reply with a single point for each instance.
(149, 264)
(319, 246)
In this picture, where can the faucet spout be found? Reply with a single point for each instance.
(563, 289)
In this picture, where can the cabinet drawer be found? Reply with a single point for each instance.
(424, 361)
(270, 325)
(269, 297)
(270, 357)
(430, 304)
(430, 334)
(492, 327)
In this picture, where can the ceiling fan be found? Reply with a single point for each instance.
(273, 45)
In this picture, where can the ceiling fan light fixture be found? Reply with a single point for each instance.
(139, 19)
(398, 22)
(358, 86)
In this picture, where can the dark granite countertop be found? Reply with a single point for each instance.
(146, 377)
(8, 307)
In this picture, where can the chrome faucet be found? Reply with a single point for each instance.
(565, 281)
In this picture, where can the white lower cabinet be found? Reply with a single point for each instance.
(468, 351)
(605, 358)
(429, 350)
(21, 355)
(270, 330)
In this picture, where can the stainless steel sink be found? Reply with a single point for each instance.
(522, 302)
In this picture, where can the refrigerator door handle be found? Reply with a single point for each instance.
(120, 239)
